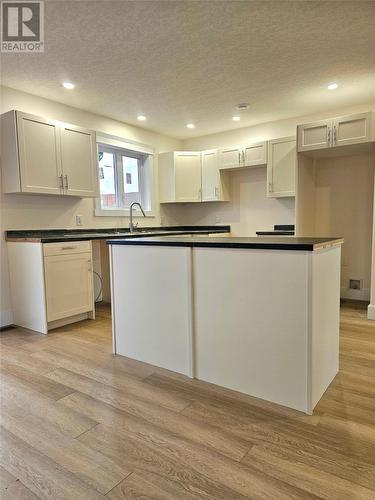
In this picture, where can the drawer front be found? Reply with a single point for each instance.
(69, 247)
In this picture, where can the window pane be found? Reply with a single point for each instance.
(130, 170)
(107, 180)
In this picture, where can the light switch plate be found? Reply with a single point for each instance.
(79, 220)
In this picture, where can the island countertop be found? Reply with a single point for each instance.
(268, 243)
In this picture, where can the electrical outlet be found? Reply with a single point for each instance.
(355, 284)
(79, 220)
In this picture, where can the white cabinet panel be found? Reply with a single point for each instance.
(230, 157)
(254, 155)
(188, 176)
(210, 175)
(79, 162)
(69, 287)
(315, 135)
(214, 182)
(352, 129)
(163, 336)
(281, 167)
(180, 177)
(39, 155)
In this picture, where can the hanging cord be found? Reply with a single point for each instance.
(101, 286)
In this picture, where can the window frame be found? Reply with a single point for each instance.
(142, 153)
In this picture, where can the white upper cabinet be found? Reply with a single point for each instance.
(315, 135)
(47, 157)
(180, 177)
(281, 167)
(341, 131)
(79, 154)
(213, 181)
(253, 155)
(188, 176)
(230, 157)
(352, 129)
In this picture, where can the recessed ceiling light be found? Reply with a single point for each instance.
(68, 85)
(190, 125)
(141, 118)
(236, 118)
(332, 86)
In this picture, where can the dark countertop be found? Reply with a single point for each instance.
(268, 243)
(278, 230)
(275, 233)
(60, 235)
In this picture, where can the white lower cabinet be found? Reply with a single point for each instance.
(69, 288)
(51, 283)
(281, 167)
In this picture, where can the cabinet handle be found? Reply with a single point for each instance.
(61, 182)
(68, 248)
(334, 134)
(270, 187)
(329, 135)
(243, 157)
(66, 182)
(239, 157)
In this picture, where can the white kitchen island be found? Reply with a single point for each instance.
(256, 315)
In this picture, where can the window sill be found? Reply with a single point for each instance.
(111, 212)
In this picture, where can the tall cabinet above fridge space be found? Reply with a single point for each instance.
(335, 194)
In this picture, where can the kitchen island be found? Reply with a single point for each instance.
(256, 315)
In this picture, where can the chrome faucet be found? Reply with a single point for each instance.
(133, 225)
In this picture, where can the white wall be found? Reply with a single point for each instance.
(344, 207)
(42, 212)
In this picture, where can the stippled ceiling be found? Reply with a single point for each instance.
(182, 61)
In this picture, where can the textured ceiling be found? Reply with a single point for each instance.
(181, 61)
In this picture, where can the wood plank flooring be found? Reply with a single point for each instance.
(78, 423)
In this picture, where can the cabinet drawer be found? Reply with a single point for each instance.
(66, 248)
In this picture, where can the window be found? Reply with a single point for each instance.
(124, 177)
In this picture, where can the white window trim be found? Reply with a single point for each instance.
(110, 140)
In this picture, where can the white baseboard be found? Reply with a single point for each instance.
(348, 293)
(6, 318)
(371, 311)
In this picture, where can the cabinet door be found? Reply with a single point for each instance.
(315, 135)
(210, 176)
(79, 162)
(254, 154)
(352, 129)
(39, 154)
(188, 176)
(281, 167)
(230, 157)
(69, 285)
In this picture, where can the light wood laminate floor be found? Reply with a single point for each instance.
(79, 423)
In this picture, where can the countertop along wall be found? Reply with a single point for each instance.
(22, 211)
(249, 210)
